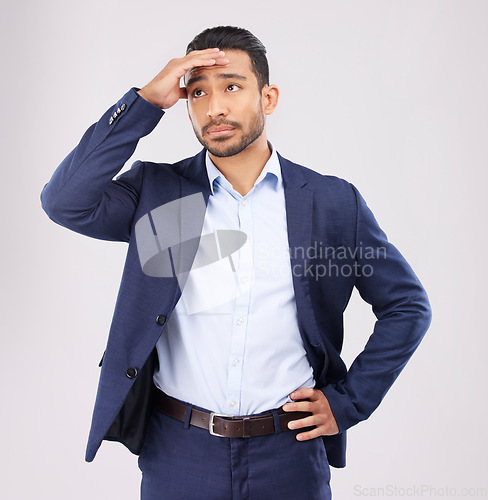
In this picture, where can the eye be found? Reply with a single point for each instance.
(198, 93)
(232, 87)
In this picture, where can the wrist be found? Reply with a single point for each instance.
(146, 95)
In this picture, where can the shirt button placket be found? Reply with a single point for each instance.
(241, 309)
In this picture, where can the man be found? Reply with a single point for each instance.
(239, 268)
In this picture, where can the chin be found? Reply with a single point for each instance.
(222, 148)
(226, 153)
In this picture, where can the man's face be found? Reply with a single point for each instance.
(225, 105)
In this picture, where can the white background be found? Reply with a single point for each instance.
(391, 95)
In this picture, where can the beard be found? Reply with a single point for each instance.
(219, 147)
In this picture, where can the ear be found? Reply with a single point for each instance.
(270, 95)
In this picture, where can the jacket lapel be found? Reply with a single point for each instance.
(299, 215)
(194, 194)
(194, 176)
(299, 208)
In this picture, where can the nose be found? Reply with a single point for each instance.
(216, 106)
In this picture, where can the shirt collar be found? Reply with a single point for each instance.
(272, 168)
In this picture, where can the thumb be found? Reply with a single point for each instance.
(183, 93)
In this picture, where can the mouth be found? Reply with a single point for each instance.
(220, 131)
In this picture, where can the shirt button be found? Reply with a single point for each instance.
(244, 203)
(240, 321)
(232, 403)
(244, 279)
(235, 362)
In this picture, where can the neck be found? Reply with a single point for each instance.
(242, 169)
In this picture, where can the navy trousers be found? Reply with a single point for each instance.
(183, 462)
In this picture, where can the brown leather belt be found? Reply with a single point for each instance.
(227, 425)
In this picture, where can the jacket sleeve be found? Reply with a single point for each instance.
(82, 194)
(387, 282)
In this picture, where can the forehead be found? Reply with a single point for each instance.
(239, 63)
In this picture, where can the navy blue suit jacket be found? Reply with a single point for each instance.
(323, 212)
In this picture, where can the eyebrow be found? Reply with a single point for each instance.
(223, 76)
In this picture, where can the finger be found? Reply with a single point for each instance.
(306, 393)
(213, 57)
(299, 406)
(210, 62)
(205, 60)
(302, 422)
(222, 61)
(204, 51)
(199, 57)
(305, 436)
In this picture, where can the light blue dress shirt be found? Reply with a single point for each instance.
(232, 344)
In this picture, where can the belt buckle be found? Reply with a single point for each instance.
(211, 423)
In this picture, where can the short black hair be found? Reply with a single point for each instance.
(233, 38)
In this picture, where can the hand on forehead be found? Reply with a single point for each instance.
(204, 58)
(235, 62)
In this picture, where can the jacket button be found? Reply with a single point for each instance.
(161, 320)
(131, 372)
